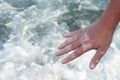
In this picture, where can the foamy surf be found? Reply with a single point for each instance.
(33, 30)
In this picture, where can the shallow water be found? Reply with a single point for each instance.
(31, 30)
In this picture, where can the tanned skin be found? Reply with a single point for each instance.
(96, 36)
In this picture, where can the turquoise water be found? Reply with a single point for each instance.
(31, 30)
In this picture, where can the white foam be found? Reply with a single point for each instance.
(26, 57)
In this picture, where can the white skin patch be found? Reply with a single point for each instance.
(73, 55)
(84, 38)
(72, 39)
(68, 48)
(96, 61)
(102, 52)
(69, 40)
(84, 42)
(86, 46)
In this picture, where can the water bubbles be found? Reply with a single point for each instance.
(31, 30)
(116, 38)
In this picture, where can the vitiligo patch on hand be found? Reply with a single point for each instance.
(72, 39)
(84, 38)
(73, 55)
(102, 52)
(86, 46)
(67, 48)
(96, 61)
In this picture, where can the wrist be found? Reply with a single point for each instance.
(106, 27)
(108, 24)
(111, 16)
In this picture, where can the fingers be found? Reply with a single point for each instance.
(72, 33)
(69, 41)
(73, 36)
(74, 55)
(69, 48)
(96, 58)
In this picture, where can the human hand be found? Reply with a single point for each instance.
(94, 36)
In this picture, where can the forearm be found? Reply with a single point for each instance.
(111, 15)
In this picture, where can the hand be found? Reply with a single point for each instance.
(95, 36)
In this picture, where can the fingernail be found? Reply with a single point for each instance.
(92, 65)
(58, 53)
(63, 61)
(67, 34)
(61, 46)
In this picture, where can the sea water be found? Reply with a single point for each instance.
(31, 30)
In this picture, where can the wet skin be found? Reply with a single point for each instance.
(84, 40)
(96, 36)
